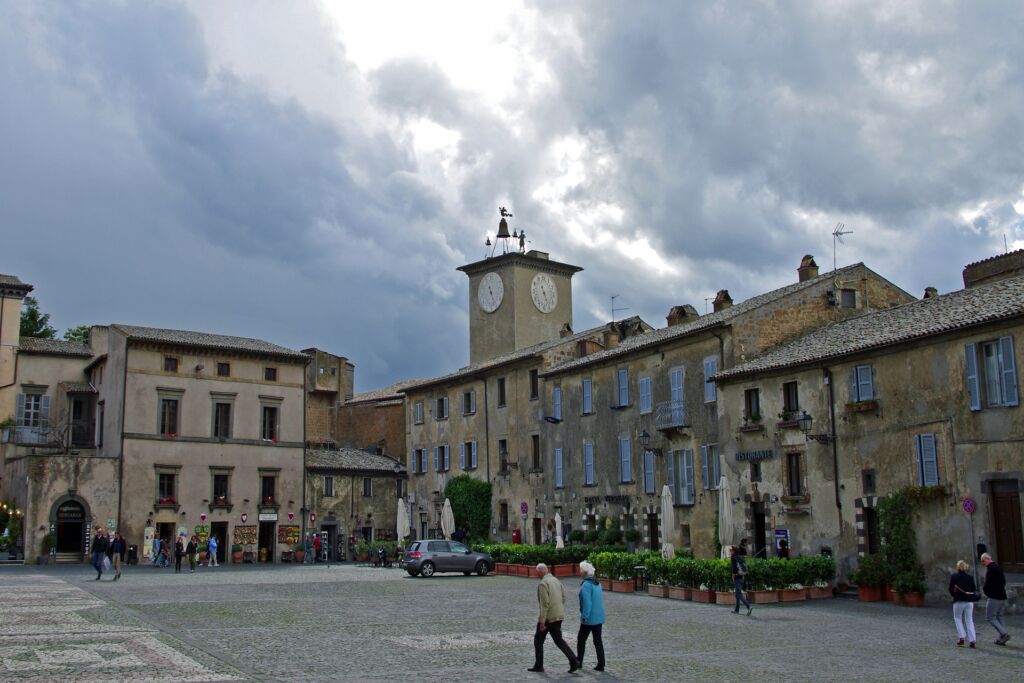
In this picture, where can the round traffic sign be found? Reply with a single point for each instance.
(523, 507)
(969, 505)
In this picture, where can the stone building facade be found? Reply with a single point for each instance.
(921, 395)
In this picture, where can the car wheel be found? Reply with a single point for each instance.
(427, 569)
(482, 568)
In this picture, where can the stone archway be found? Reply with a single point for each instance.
(70, 520)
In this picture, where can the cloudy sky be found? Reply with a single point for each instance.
(313, 173)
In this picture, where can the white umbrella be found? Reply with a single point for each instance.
(403, 521)
(447, 519)
(724, 516)
(668, 551)
(559, 543)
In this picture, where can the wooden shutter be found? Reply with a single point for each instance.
(472, 456)
(44, 411)
(688, 493)
(462, 456)
(928, 460)
(558, 467)
(973, 388)
(704, 467)
(1008, 369)
(710, 367)
(556, 396)
(437, 458)
(672, 484)
(447, 455)
(865, 383)
(19, 411)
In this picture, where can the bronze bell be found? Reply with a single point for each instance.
(503, 229)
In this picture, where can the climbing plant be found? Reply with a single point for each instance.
(896, 515)
(471, 504)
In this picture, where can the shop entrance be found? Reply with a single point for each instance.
(331, 545)
(1007, 525)
(538, 530)
(71, 529)
(220, 530)
(266, 541)
(652, 531)
(760, 530)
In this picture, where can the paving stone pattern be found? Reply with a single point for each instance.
(346, 623)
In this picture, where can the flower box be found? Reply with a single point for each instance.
(501, 568)
(763, 597)
(698, 595)
(816, 593)
(725, 597)
(679, 593)
(751, 427)
(562, 569)
(606, 584)
(869, 593)
(622, 585)
(792, 595)
(913, 599)
(788, 424)
(657, 590)
(868, 406)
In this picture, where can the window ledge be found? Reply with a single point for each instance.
(628, 481)
(751, 427)
(590, 486)
(869, 406)
(166, 506)
(621, 407)
(221, 506)
(536, 470)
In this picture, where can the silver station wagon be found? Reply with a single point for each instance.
(424, 558)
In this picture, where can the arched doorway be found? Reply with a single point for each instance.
(70, 523)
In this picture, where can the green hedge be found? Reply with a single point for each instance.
(517, 553)
(761, 574)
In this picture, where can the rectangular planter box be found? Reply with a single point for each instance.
(815, 593)
(679, 593)
(501, 568)
(725, 597)
(792, 595)
(606, 584)
(622, 586)
(562, 570)
(763, 597)
(697, 595)
(869, 593)
(657, 591)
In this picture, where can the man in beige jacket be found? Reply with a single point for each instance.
(551, 598)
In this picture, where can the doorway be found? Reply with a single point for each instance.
(70, 529)
(265, 541)
(538, 529)
(873, 536)
(760, 530)
(652, 531)
(220, 531)
(331, 545)
(165, 532)
(1007, 525)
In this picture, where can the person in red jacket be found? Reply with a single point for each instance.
(317, 544)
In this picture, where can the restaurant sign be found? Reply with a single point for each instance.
(753, 456)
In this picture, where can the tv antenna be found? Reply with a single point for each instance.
(614, 309)
(837, 236)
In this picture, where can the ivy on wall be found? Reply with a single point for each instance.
(896, 515)
(471, 504)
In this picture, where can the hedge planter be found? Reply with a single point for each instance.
(763, 597)
(792, 595)
(619, 586)
(562, 570)
(725, 597)
(606, 584)
(913, 599)
(680, 593)
(869, 593)
(698, 595)
(657, 591)
(816, 593)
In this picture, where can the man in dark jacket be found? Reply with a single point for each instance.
(995, 589)
(99, 550)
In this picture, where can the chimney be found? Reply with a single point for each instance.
(808, 268)
(566, 331)
(930, 293)
(611, 336)
(722, 300)
(681, 314)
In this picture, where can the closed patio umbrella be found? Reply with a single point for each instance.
(668, 551)
(402, 521)
(447, 519)
(724, 516)
(559, 543)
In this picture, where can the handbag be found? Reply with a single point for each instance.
(106, 563)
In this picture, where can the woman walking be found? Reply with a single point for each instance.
(739, 574)
(591, 615)
(965, 594)
(179, 552)
(192, 550)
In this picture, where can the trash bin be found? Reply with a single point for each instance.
(133, 554)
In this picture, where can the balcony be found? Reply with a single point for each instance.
(671, 415)
(38, 434)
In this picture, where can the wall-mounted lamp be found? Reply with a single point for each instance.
(645, 441)
(806, 422)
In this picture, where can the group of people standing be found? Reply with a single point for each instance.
(162, 552)
(311, 546)
(965, 594)
(551, 599)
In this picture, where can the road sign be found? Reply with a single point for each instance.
(523, 507)
(969, 506)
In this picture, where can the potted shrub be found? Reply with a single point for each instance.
(911, 587)
(576, 536)
(236, 553)
(298, 553)
(762, 580)
(871, 574)
(632, 537)
(48, 543)
(203, 547)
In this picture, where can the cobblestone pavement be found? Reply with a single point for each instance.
(348, 623)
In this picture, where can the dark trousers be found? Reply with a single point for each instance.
(97, 563)
(177, 563)
(555, 629)
(581, 642)
(738, 585)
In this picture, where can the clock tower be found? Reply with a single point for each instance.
(516, 300)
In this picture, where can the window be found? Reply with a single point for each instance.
(270, 374)
(99, 425)
(501, 392)
(367, 487)
(710, 368)
(269, 425)
(625, 460)
(992, 378)
(793, 479)
(220, 488)
(868, 480)
(503, 517)
(223, 369)
(170, 364)
(437, 458)
(268, 489)
(622, 385)
(417, 412)
(752, 405)
(685, 531)
(167, 488)
(441, 408)
(534, 384)
(400, 491)
(588, 464)
(31, 413)
(502, 455)
(419, 460)
(469, 402)
(927, 460)
(755, 471)
(535, 443)
(221, 420)
(467, 455)
(646, 404)
(588, 396)
(790, 399)
(328, 486)
(675, 383)
(169, 416)
(559, 475)
(680, 474)
(649, 472)
(862, 383)
(710, 466)
(556, 403)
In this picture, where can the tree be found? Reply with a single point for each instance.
(77, 334)
(471, 504)
(35, 323)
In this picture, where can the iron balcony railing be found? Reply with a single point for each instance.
(36, 434)
(671, 414)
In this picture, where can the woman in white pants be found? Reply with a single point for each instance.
(965, 594)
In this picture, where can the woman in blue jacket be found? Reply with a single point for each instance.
(591, 615)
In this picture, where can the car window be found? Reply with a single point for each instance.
(415, 546)
(457, 547)
(439, 546)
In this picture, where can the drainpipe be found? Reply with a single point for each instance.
(835, 445)
(305, 440)
(120, 460)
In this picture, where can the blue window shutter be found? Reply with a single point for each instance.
(672, 477)
(437, 459)
(704, 466)
(688, 492)
(462, 456)
(973, 390)
(1009, 371)
(447, 458)
(853, 386)
(472, 457)
(865, 383)
(558, 467)
(928, 459)
(556, 400)
(44, 411)
(19, 410)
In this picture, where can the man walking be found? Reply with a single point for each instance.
(118, 547)
(317, 545)
(995, 589)
(99, 551)
(551, 599)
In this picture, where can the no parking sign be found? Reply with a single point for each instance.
(968, 505)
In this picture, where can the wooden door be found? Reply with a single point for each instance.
(1007, 524)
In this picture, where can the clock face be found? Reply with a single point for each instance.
(490, 292)
(545, 295)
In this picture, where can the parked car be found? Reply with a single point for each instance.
(424, 558)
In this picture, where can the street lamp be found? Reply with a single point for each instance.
(645, 441)
(806, 422)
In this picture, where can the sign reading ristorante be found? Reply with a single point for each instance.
(767, 454)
